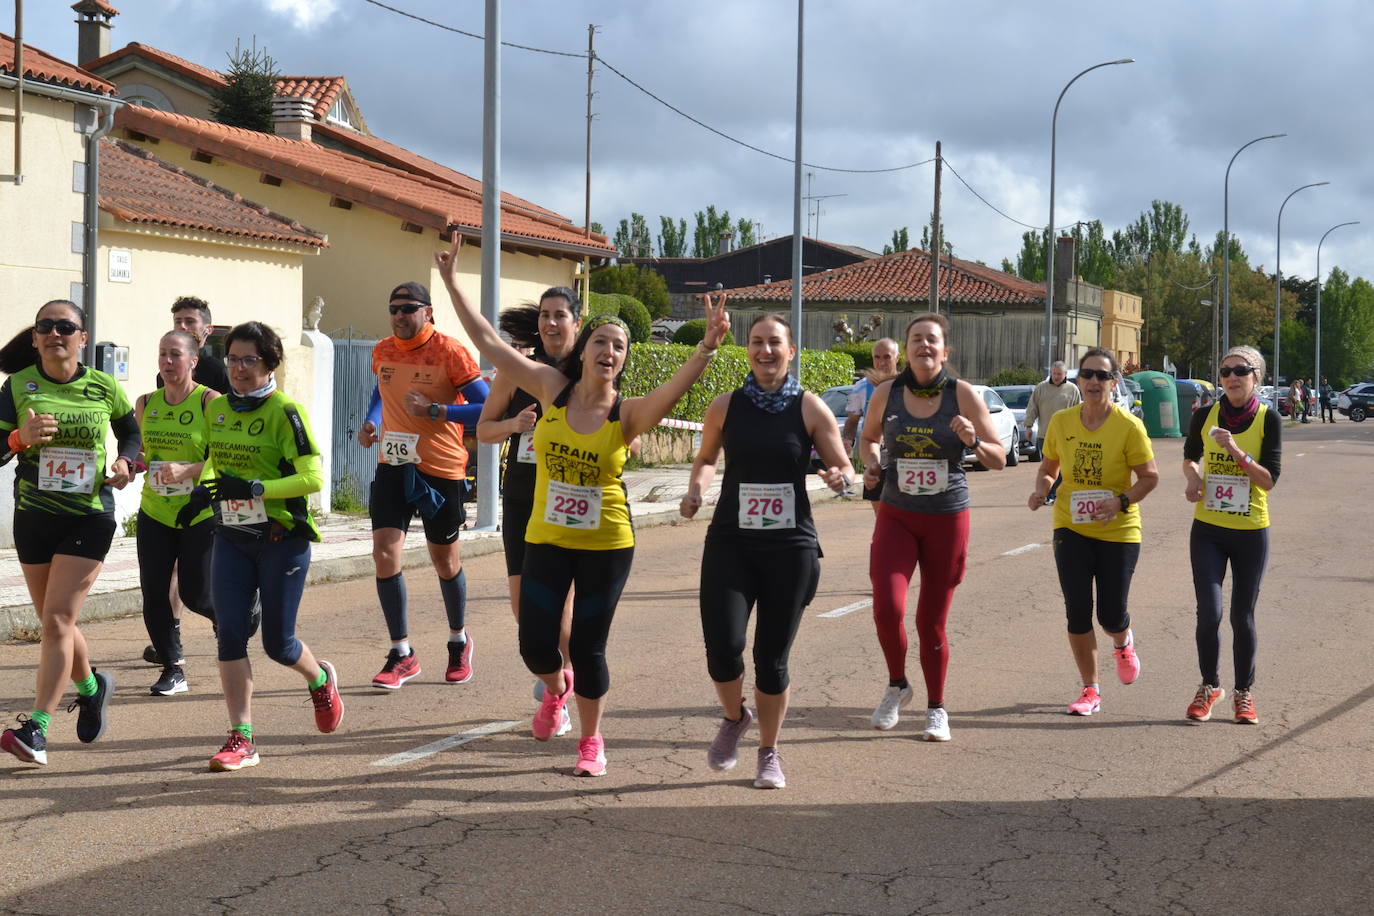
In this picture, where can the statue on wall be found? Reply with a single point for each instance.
(313, 316)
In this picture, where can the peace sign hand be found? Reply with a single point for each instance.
(717, 321)
(447, 261)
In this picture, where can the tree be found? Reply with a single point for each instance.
(1008, 267)
(946, 246)
(745, 233)
(900, 242)
(672, 240)
(632, 238)
(1096, 264)
(1030, 260)
(1347, 329)
(642, 283)
(598, 228)
(633, 313)
(710, 227)
(246, 100)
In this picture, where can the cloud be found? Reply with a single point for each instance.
(305, 14)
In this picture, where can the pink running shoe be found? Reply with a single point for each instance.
(1127, 663)
(591, 757)
(1088, 702)
(550, 712)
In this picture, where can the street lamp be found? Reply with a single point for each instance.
(1049, 271)
(1226, 242)
(1317, 373)
(1278, 273)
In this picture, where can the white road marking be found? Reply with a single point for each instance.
(1023, 549)
(1299, 454)
(848, 608)
(443, 744)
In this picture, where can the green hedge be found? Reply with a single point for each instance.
(653, 364)
(1016, 375)
(860, 350)
(603, 304)
(633, 313)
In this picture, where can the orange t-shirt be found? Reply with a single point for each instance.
(438, 366)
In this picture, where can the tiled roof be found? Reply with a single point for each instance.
(903, 277)
(100, 5)
(323, 89)
(138, 187)
(414, 198)
(42, 67)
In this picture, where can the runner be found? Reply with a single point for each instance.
(54, 412)
(923, 516)
(172, 419)
(761, 548)
(260, 445)
(579, 531)
(1231, 460)
(428, 388)
(1098, 447)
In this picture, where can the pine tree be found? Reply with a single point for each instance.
(247, 100)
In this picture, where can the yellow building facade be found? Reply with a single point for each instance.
(1121, 325)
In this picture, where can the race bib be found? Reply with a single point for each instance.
(922, 476)
(1084, 504)
(1227, 493)
(166, 489)
(242, 512)
(400, 448)
(573, 506)
(67, 470)
(767, 505)
(525, 453)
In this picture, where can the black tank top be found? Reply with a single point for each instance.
(518, 482)
(769, 456)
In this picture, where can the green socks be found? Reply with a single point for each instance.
(245, 729)
(320, 680)
(88, 687)
(41, 719)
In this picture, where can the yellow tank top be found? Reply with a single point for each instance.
(1225, 486)
(579, 496)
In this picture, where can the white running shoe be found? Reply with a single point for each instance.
(937, 725)
(564, 724)
(894, 698)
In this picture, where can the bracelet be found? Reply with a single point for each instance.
(16, 443)
(705, 352)
(1246, 460)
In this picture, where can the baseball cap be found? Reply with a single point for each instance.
(413, 291)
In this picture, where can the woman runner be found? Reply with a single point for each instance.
(761, 549)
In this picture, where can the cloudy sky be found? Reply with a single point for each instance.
(885, 79)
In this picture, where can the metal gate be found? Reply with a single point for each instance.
(353, 465)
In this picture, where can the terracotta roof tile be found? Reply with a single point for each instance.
(100, 5)
(43, 67)
(903, 277)
(415, 198)
(138, 187)
(324, 90)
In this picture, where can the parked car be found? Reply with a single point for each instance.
(1136, 394)
(1017, 397)
(1005, 423)
(1357, 401)
(837, 399)
(1122, 397)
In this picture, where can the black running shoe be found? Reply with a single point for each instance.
(151, 656)
(92, 719)
(173, 680)
(26, 742)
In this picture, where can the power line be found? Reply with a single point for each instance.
(457, 31)
(994, 209)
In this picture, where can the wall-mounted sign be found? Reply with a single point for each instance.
(121, 266)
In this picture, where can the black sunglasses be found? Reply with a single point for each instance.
(60, 325)
(1242, 371)
(1102, 375)
(410, 308)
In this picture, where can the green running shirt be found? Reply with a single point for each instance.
(171, 433)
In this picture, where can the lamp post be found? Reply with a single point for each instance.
(1317, 372)
(1278, 273)
(1226, 242)
(1049, 271)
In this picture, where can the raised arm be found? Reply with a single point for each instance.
(639, 415)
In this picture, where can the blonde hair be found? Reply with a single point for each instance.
(1251, 356)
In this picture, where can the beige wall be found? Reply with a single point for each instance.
(184, 101)
(1121, 323)
(36, 258)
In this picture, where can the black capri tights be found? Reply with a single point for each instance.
(1212, 547)
(733, 581)
(600, 577)
(160, 550)
(1083, 561)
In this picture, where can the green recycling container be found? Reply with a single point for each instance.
(1159, 403)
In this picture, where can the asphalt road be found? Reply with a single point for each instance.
(1027, 810)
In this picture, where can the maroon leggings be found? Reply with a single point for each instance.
(901, 540)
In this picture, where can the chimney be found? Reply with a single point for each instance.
(93, 29)
(292, 117)
(723, 244)
(1063, 269)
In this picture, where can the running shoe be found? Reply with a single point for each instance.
(1088, 702)
(238, 752)
(894, 698)
(329, 708)
(937, 725)
(26, 742)
(769, 775)
(564, 724)
(93, 717)
(173, 680)
(551, 708)
(591, 757)
(1245, 707)
(721, 754)
(459, 662)
(1206, 697)
(1127, 663)
(151, 657)
(397, 670)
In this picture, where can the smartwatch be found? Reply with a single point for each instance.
(1125, 501)
(977, 441)
(257, 489)
(433, 410)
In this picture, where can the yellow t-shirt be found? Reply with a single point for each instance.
(1096, 465)
(1217, 466)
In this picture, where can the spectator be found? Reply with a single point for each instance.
(1297, 400)
(885, 362)
(1328, 398)
(1049, 397)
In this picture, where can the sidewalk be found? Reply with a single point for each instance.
(345, 551)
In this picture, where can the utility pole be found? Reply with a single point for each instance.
(587, 210)
(935, 239)
(798, 331)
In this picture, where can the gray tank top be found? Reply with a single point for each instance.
(910, 442)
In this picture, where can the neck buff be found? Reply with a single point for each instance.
(937, 385)
(253, 399)
(419, 340)
(1237, 418)
(772, 401)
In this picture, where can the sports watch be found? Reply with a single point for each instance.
(433, 410)
(257, 489)
(1125, 501)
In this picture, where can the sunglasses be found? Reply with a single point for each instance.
(1102, 375)
(247, 362)
(410, 308)
(60, 325)
(1242, 371)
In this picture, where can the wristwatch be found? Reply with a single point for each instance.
(433, 411)
(977, 441)
(1125, 501)
(257, 489)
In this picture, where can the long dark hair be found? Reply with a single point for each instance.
(19, 353)
(521, 324)
(571, 366)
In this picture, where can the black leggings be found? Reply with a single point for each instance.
(1082, 561)
(600, 577)
(160, 550)
(1248, 553)
(734, 580)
